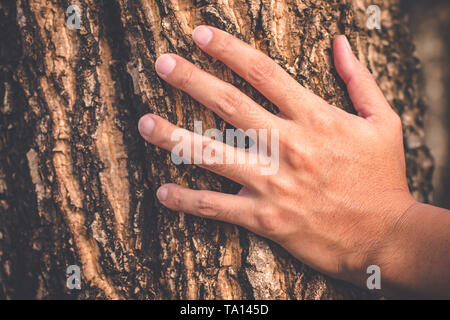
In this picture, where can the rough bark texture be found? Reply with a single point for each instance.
(77, 183)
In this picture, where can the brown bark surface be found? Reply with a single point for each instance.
(77, 182)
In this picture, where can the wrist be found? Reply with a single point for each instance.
(393, 255)
(383, 243)
(416, 256)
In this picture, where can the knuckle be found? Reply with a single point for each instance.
(212, 160)
(207, 143)
(228, 103)
(279, 186)
(322, 122)
(186, 78)
(260, 69)
(212, 155)
(206, 207)
(295, 154)
(224, 47)
(269, 221)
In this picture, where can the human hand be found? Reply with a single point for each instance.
(340, 191)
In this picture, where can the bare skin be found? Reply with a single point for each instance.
(339, 201)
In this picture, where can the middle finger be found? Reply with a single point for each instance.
(221, 97)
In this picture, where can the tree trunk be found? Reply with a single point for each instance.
(77, 182)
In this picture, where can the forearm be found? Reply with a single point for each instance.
(415, 261)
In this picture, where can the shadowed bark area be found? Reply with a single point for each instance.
(77, 182)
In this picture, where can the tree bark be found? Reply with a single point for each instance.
(77, 182)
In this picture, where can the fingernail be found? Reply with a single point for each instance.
(162, 193)
(165, 64)
(146, 125)
(202, 35)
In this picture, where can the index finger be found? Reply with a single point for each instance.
(259, 70)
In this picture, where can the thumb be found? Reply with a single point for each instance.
(367, 97)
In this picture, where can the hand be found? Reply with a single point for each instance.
(340, 191)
